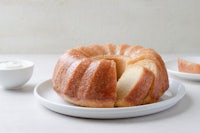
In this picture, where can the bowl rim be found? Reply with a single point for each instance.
(30, 64)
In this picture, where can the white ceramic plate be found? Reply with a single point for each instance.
(172, 68)
(48, 98)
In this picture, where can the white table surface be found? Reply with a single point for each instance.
(20, 112)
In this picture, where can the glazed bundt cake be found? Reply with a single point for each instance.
(110, 75)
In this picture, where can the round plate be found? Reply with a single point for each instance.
(49, 98)
(172, 68)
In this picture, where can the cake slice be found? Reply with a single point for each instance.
(133, 86)
(188, 66)
(157, 87)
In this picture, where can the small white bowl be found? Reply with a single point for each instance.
(15, 73)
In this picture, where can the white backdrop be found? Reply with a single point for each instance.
(53, 26)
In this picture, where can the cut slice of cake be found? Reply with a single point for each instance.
(133, 86)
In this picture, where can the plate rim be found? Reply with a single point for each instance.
(165, 104)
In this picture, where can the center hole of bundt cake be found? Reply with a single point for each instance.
(119, 60)
(120, 67)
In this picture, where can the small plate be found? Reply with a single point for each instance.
(172, 68)
(49, 99)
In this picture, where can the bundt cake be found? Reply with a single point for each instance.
(105, 76)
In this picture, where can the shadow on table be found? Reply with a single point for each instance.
(24, 89)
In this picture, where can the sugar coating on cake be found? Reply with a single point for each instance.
(105, 76)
